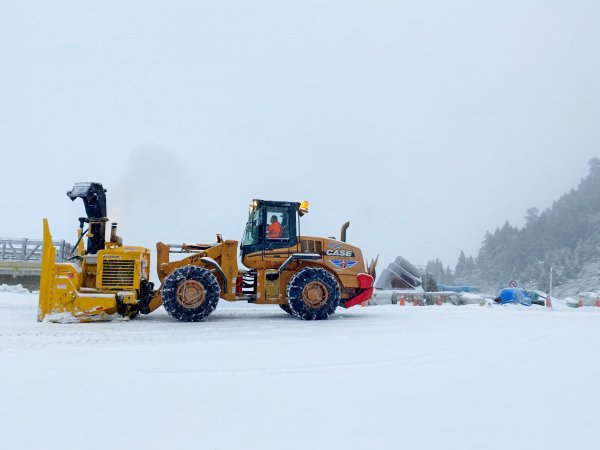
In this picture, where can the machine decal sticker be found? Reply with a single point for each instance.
(343, 263)
(346, 253)
(337, 250)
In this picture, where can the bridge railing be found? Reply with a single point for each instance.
(30, 250)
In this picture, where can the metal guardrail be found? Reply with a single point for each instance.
(30, 250)
(383, 296)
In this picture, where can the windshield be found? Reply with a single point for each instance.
(252, 232)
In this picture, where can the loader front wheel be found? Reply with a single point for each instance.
(313, 294)
(190, 293)
(286, 308)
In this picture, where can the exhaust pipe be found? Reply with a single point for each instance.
(113, 234)
(343, 233)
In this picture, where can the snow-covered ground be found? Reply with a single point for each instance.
(251, 377)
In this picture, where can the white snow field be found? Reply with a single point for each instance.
(252, 377)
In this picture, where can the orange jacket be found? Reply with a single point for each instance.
(274, 230)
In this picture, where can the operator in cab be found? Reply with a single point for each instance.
(275, 230)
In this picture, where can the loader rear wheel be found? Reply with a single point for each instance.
(190, 293)
(313, 294)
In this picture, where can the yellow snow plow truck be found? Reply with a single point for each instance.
(308, 277)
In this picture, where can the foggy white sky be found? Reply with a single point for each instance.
(423, 123)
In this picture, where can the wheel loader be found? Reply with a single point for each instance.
(308, 277)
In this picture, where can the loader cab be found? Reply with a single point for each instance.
(271, 225)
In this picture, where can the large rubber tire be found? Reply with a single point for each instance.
(287, 309)
(313, 294)
(190, 293)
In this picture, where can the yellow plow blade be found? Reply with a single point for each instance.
(46, 302)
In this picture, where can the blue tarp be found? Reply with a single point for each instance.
(514, 295)
(447, 288)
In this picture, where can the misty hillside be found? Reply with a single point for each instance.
(565, 237)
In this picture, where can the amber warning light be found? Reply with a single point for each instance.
(304, 207)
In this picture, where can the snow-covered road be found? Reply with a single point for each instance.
(251, 377)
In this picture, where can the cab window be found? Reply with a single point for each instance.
(277, 226)
(253, 228)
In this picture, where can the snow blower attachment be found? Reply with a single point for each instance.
(308, 277)
(103, 281)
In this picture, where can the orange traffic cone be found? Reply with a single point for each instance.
(438, 300)
(598, 301)
(402, 302)
(548, 302)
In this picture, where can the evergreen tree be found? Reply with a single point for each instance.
(449, 276)
(460, 265)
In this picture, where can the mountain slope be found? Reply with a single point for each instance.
(564, 238)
